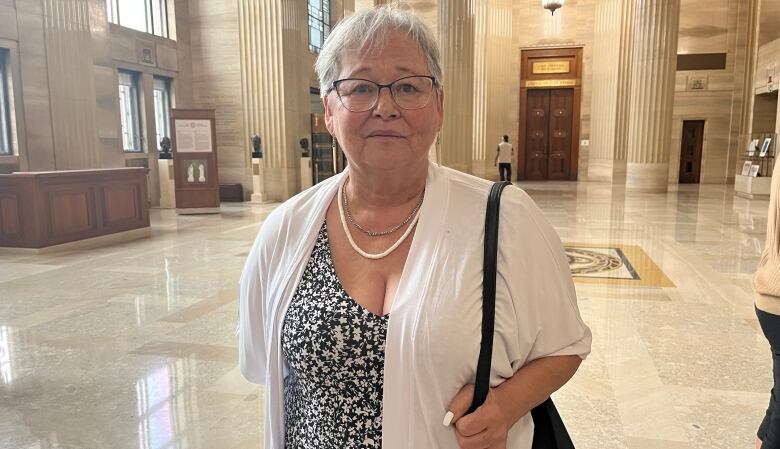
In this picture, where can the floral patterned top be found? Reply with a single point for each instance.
(335, 350)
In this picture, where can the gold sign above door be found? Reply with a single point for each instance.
(551, 67)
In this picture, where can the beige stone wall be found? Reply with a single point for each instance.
(717, 26)
(770, 21)
(64, 60)
(768, 63)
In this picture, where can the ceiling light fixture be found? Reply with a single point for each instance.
(552, 5)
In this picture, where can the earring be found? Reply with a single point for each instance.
(334, 155)
(438, 148)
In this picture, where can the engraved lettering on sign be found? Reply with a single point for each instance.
(551, 83)
(551, 67)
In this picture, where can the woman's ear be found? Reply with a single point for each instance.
(328, 114)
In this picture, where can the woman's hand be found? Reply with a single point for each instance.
(486, 428)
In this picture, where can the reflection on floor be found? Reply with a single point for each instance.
(132, 346)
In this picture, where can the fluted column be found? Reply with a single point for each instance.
(492, 83)
(274, 89)
(652, 94)
(611, 89)
(456, 34)
(743, 97)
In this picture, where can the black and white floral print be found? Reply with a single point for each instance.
(335, 350)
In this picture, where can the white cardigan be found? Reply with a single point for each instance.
(433, 335)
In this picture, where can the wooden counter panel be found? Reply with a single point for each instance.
(50, 208)
(10, 227)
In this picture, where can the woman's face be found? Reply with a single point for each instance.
(386, 137)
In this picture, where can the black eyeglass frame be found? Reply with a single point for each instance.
(334, 86)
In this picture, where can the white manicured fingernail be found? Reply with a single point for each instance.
(448, 418)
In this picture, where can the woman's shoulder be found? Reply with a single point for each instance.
(293, 216)
(471, 190)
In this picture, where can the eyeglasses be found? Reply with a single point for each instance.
(409, 92)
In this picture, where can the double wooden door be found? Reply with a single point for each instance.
(548, 136)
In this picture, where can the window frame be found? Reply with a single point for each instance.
(135, 110)
(6, 119)
(167, 105)
(319, 22)
(114, 13)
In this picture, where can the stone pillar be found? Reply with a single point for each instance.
(653, 72)
(742, 99)
(492, 83)
(611, 90)
(456, 34)
(273, 36)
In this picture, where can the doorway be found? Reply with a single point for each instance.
(548, 136)
(691, 151)
(549, 128)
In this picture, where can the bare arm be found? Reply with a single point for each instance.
(533, 384)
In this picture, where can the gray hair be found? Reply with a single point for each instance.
(367, 30)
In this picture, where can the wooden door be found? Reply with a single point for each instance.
(548, 134)
(691, 151)
(536, 135)
(561, 111)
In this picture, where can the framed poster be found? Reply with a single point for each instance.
(765, 146)
(754, 171)
(193, 136)
(746, 168)
(752, 146)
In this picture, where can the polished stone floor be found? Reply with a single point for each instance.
(132, 346)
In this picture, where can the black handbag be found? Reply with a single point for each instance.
(549, 430)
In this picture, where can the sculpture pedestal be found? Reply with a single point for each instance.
(306, 178)
(258, 190)
(167, 184)
(752, 187)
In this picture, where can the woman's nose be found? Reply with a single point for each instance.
(385, 105)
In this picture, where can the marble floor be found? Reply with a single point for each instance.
(132, 346)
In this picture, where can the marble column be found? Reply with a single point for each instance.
(274, 90)
(742, 99)
(611, 89)
(653, 72)
(456, 35)
(492, 83)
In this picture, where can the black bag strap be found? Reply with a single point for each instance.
(549, 429)
(490, 267)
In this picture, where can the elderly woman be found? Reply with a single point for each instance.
(360, 302)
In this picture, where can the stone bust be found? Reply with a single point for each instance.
(165, 148)
(257, 150)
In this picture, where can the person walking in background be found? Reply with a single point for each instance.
(766, 283)
(504, 156)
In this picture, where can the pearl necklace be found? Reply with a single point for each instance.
(357, 249)
(379, 233)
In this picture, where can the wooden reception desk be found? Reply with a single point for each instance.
(43, 209)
